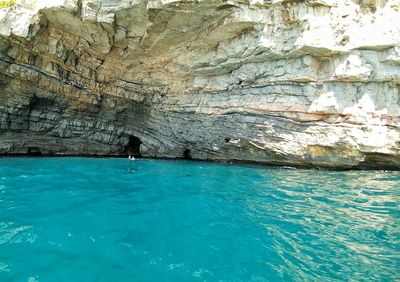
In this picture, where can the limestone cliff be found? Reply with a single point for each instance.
(310, 83)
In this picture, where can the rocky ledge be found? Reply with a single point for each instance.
(308, 83)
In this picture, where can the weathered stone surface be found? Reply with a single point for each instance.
(308, 83)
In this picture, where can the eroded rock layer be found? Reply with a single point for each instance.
(309, 83)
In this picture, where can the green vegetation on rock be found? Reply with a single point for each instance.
(7, 3)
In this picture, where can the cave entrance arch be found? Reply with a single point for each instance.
(187, 155)
(133, 147)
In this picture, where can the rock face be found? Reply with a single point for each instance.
(308, 83)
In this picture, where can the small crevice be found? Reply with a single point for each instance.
(225, 7)
(34, 151)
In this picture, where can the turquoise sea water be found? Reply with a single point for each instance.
(82, 219)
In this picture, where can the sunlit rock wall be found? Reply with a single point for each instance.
(309, 83)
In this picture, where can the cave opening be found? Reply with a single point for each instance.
(133, 147)
(34, 151)
(187, 155)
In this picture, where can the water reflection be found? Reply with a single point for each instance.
(99, 219)
(342, 222)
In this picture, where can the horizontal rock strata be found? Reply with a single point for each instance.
(307, 83)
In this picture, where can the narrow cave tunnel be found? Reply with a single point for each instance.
(133, 147)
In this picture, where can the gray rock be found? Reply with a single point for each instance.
(306, 83)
